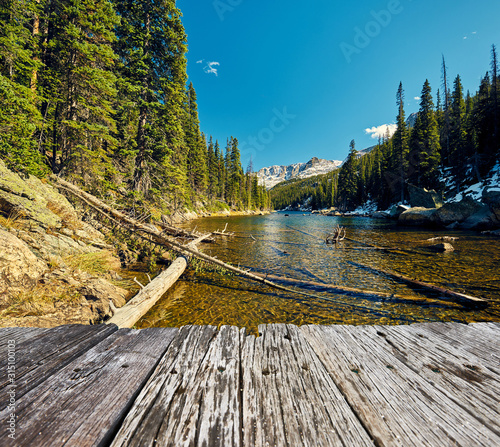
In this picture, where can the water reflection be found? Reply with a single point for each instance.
(294, 246)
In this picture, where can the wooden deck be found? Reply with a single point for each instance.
(434, 384)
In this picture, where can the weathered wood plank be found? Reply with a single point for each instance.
(19, 334)
(193, 396)
(84, 403)
(41, 356)
(461, 377)
(467, 338)
(289, 398)
(397, 406)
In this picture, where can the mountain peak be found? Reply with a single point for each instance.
(273, 175)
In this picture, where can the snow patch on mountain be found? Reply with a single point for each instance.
(273, 175)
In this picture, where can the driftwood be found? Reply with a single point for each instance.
(337, 236)
(150, 233)
(224, 234)
(148, 296)
(450, 293)
(337, 288)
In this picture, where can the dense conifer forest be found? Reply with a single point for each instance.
(97, 92)
(452, 142)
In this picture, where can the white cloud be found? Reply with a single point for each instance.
(381, 131)
(210, 67)
(417, 98)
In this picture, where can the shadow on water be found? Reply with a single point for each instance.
(293, 246)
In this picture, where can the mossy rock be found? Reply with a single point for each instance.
(31, 198)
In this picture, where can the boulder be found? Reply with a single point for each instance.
(19, 267)
(483, 220)
(397, 210)
(492, 199)
(380, 215)
(418, 216)
(99, 293)
(458, 211)
(421, 197)
(440, 248)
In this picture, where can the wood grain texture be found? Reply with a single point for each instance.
(19, 334)
(40, 357)
(397, 405)
(472, 339)
(193, 396)
(289, 399)
(460, 376)
(83, 403)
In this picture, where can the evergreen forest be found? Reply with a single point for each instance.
(97, 92)
(452, 142)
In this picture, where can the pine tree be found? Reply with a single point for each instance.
(234, 173)
(425, 147)
(348, 179)
(152, 46)
(78, 79)
(196, 147)
(445, 129)
(400, 145)
(19, 116)
(457, 133)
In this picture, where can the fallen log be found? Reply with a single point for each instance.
(157, 237)
(134, 310)
(337, 288)
(450, 293)
(148, 296)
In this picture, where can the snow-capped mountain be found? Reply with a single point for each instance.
(273, 175)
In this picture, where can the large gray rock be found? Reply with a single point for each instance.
(458, 212)
(421, 197)
(397, 210)
(418, 216)
(99, 293)
(483, 220)
(19, 267)
(492, 199)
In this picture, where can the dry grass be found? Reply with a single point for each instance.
(14, 220)
(40, 300)
(68, 217)
(99, 263)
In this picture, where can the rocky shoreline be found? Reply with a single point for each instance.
(55, 266)
(427, 209)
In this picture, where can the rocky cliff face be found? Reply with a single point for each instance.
(273, 175)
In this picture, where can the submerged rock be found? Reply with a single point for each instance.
(441, 248)
(380, 215)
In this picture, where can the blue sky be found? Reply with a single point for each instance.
(293, 79)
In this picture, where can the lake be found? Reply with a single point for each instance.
(294, 246)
